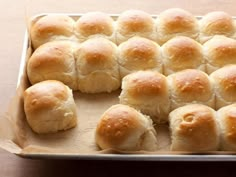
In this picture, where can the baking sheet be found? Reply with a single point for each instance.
(78, 143)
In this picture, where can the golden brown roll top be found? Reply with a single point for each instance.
(227, 120)
(181, 53)
(176, 22)
(216, 23)
(97, 67)
(53, 61)
(190, 86)
(148, 92)
(219, 51)
(134, 23)
(50, 28)
(224, 81)
(194, 128)
(49, 107)
(139, 53)
(94, 24)
(123, 128)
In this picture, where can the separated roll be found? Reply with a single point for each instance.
(123, 128)
(148, 92)
(49, 107)
(97, 67)
(224, 81)
(181, 53)
(51, 28)
(95, 24)
(216, 23)
(219, 51)
(134, 23)
(139, 53)
(227, 121)
(53, 61)
(190, 86)
(176, 22)
(194, 128)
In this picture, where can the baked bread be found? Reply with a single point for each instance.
(53, 61)
(194, 128)
(147, 91)
(49, 107)
(176, 22)
(139, 53)
(219, 51)
(226, 117)
(216, 23)
(224, 82)
(97, 67)
(123, 128)
(181, 53)
(134, 23)
(51, 28)
(95, 24)
(190, 86)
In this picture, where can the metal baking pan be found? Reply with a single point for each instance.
(218, 156)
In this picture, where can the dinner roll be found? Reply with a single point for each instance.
(216, 23)
(139, 53)
(190, 86)
(123, 128)
(50, 28)
(227, 121)
(53, 61)
(224, 81)
(181, 53)
(176, 22)
(94, 24)
(134, 23)
(148, 92)
(194, 128)
(97, 67)
(219, 51)
(49, 107)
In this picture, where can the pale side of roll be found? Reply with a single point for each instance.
(194, 128)
(51, 28)
(148, 92)
(123, 128)
(216, 23)
(135, 23)
(219, 51)
(49, 107)
(97, 67)
(227, 120)
(224, 82)
(139, 53)
(190, 86)
(181, 53)
(53, 61)
(176, 22)
(95, 24)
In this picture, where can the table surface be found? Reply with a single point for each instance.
(14, 15)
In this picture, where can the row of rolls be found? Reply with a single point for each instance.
(168, 24)
(49, 107)
(99, 65)
(193, 128)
